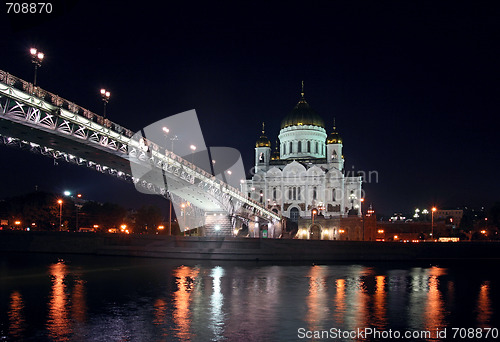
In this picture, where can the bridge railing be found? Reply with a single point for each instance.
(61, 102)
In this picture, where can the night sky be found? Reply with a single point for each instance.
(414, 86)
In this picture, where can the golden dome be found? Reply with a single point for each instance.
(263, 141)
(334, 137)
(302, 114)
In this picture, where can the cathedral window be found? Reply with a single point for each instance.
(289, 193)
(333, 195)
(308, 146)
(299, 146)
(294, 193)
(261, 156)
(317, 148)
(284, 148)
(274, 193)
(299, 191)
(314, 193)
(261, 196)
(291, 149)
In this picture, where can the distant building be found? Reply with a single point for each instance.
(304, 173)
(455, 215)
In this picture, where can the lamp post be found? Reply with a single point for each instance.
(183, 214)
(60, 202)
(361, 200)
(432, 221)
(36, 58)
(105, 99)
(193, 148)
(229, 173)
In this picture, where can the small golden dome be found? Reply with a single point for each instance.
(334, 137)
(263, 141)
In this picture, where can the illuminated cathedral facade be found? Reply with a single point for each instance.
(304, 176)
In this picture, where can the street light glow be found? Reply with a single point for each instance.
(67, 193)
(192, 147)
(165, 129)
(60, 201)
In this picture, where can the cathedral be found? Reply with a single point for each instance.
(303, 178)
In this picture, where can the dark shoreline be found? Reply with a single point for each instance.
(224, 248)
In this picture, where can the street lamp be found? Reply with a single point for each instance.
(361, 200)
(183, 214)
(432, 221)
(36, 58)
(105, 99)
(313, 213)
(193, 148)
(60, 213)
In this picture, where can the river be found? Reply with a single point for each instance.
(50, 297)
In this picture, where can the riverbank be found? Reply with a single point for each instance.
(224, 248)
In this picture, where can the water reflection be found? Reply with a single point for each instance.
(255, 303)
(184, 279)
(379, 304)
(484, 309)
(435, 309)
(16, 315)
(58, 322)
(216, 302)
(339, 303)
(317, 297)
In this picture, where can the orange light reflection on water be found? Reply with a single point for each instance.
(379, 303)
(58, 322)
(16, 316)
(484, 305)
(185, 277)
(434, 310)
(340, 306)
(316, 297)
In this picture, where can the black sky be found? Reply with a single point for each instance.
(414, 86)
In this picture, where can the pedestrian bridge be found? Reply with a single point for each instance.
(203, 196)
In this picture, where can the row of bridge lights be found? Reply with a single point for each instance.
(37, 59)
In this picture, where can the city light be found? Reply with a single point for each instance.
(36, 59)
(105, 95)
(60, 202)
(165, 129)
(67, 193)
(161, 227)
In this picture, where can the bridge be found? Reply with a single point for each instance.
(42, 122)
